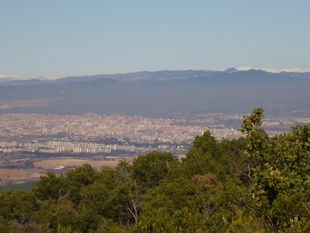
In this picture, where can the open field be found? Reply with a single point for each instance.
(18, 175)
(26, 175)
(54, 163)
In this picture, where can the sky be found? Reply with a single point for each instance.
(72, 37)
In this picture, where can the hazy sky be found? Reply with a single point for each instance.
(73, 37)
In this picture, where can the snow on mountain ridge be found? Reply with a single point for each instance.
(8, 78)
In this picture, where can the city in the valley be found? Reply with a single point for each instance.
(38, 142)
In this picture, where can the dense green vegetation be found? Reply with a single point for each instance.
(255, 183)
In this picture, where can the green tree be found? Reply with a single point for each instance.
(77, 180)
(281, 186)
(51, 186)
(17, 210)
(149, 169)
(201, 157)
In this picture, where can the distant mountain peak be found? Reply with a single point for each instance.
(231, 70)
(4, 78)
(44, 77)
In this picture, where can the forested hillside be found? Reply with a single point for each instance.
(255, 183)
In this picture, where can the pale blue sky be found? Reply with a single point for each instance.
(74, 37)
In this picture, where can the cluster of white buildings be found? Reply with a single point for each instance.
(59, 146)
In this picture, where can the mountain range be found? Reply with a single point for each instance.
(161, 93)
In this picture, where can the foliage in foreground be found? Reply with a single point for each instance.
(255, 183)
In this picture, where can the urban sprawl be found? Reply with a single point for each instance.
(76, 134)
